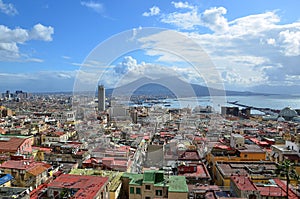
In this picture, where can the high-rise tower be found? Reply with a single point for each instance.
(101, 98)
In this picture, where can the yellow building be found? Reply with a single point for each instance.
(26, 173)
(258, 171)
(39, 153)
(237, 151)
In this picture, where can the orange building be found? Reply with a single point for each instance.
(223, 153)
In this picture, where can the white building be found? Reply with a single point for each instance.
(237, 141)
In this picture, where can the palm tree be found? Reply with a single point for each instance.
(286, 168)
(295, 175)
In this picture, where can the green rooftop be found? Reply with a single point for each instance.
(135, 179)
(153, 176)
(157, 178)
(177, 184)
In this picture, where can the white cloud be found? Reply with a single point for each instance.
(129, 70)
(250, 51)
(293, 77)
(254, 24)
(181, 4)
(271, 41)
(187, 20)
(128, 64)
(8, 8)
(153, 11)
(171, 42)
(33, 60)
(11, 38)
(97, 7)
(64, 76)
(135, 32)
(9, 47)
(191, 18)
(91, 64)
(41, 32)
(213, 19)
(242, 70)
(65, 57)
(17, 35)
(290, 42)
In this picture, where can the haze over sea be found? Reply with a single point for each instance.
(260, 101)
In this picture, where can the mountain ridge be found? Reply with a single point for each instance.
(172, 87)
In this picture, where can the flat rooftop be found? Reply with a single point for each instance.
(244, 168)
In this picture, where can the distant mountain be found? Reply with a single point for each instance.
(171, 87)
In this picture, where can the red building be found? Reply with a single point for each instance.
(189, 155)
(194, 173)
(243, 186)
(13, 145)
(78, 187)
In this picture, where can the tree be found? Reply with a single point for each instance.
(295, 175)
(286, 169)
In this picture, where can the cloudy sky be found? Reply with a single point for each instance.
(252, 45)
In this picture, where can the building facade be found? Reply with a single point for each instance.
(101, 98)
(153, 184)
(79, 186)
(26, 173)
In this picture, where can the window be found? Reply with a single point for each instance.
(147, 197)
(22, 176)
(147, 187)
(158, 192)
(138, 190)
(131, 190)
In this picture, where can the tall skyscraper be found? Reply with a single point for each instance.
(101, 98)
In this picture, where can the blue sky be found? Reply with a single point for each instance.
(254, 44)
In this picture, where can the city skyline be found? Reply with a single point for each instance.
(254, 45)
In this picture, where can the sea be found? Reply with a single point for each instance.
(277, 102)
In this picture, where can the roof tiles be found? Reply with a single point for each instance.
(33, 167)
(88, 186)
(10, 144)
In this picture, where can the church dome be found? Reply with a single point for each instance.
(280, 119)
(296, 119)
(287, 112)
